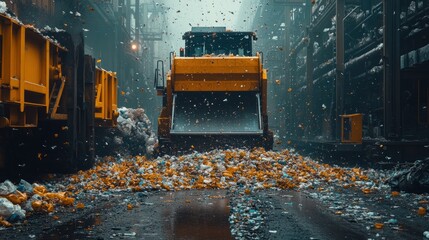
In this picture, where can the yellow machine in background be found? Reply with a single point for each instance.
(51, 98)
(215, 93)
(106, 99)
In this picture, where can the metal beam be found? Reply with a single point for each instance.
(128, 16)
(309, 75)
(391, 71)
(339, 82)
(292, 3)
(137, 17)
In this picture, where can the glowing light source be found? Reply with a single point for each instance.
(134, 46)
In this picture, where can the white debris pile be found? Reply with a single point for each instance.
(3, 7)
(136, 130)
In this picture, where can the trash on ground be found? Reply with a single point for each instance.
(413, 178)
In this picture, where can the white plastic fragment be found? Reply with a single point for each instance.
(8, 209)
(7, 187)
(3, 7)
(25, 186)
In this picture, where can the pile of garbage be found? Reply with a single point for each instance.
(135, 131)
(413, 179)
(218, 169)
(3, 7)
(17, 201)
(246, 219)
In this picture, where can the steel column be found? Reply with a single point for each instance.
(339, 83)
(309, 69)
(128, 16)
(137, 18)
(391, 71)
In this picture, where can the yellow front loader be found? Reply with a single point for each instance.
(215, 93)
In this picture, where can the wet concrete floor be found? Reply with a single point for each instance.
(168, 215)
(296, 216)
(198, 214)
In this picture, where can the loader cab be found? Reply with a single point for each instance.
(217, 41)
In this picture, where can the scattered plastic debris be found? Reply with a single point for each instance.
(16, 200)
(241, 171)
(218, 169)
(414, 178)
(136, 131)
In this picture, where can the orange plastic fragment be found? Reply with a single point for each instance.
(247, 191)
(48, 207)
(130, 206)
(40, 190)
(80, 206)
(366, 190)
(395, 193)
(17, 197)
(421, 211)
(5, 223)
(67, 201)
(378, 225)
(37, 205)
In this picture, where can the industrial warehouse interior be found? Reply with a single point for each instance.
(214, 119)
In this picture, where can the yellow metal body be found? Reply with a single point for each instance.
(31, 79)
(216, 74)
(28, 61)
(351, 128)
(212, 74)
(106, 105)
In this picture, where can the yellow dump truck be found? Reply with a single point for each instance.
(52, 97)
(215, 93)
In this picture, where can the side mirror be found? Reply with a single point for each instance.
(159, 81)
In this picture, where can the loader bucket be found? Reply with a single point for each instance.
(216, 113)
